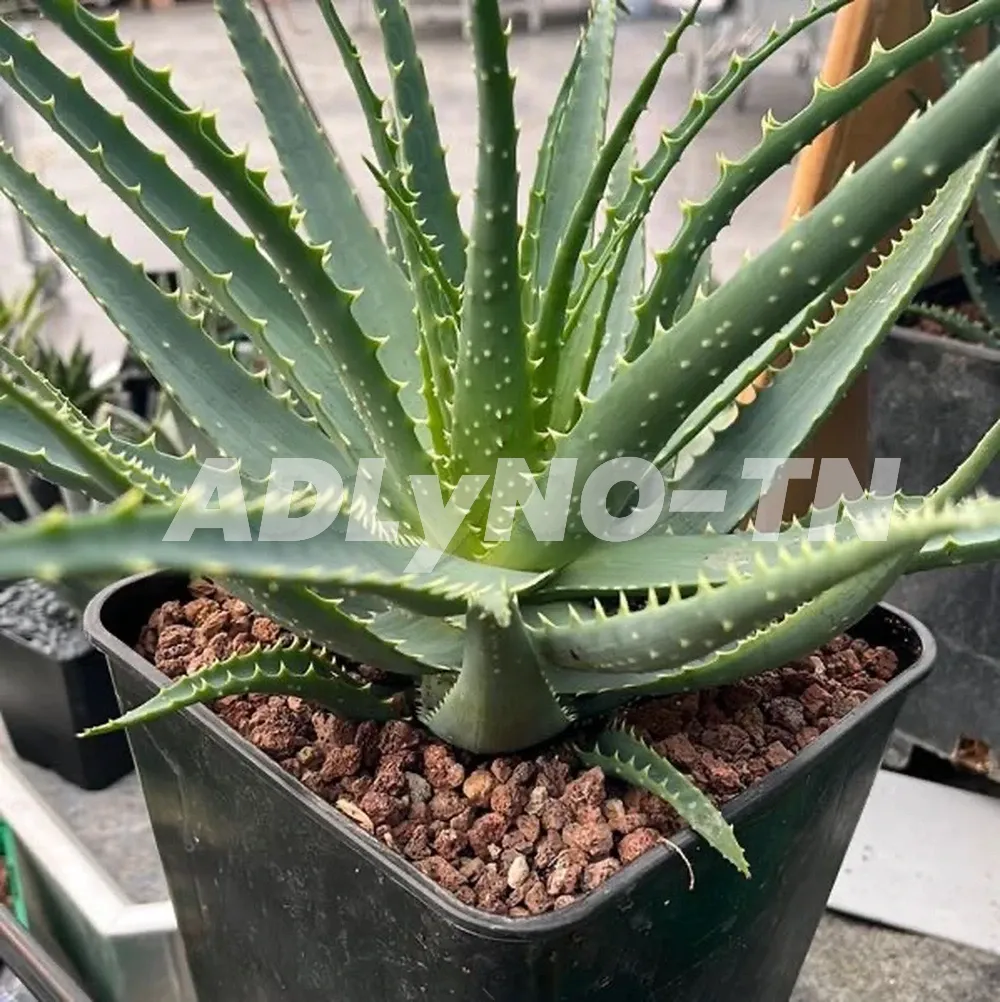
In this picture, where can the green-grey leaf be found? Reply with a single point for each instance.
(622, 754)
(280, 671)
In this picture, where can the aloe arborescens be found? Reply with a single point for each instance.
(540, 344)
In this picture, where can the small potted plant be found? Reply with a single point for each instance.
(935, 383)
(484, 755)
(20, 320)
(53, 683)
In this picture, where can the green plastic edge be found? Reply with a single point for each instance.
(8, 849)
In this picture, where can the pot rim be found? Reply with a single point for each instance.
(467, 917)
(944, 343)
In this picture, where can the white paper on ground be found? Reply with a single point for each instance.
(926, 859)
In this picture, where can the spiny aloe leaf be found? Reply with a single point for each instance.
(812, 624)
(953, 64)
(622, 754)
(697, 433)
(976, 546)
(327, 307)
(132, 538)
(577, 138)
(623, 284)
(405, 209)
(665, 561)
(590, 320)
(490, 419)
(438, 307)
(140, 465)
(380, 130)
(500, 701)
(648, 401)
(281, 671)
(60, 434)
(541, 186)
(645, 183)
(396, 641)
(703, 222)
(794, 635)
(422, 151)
(957, 324)
(957, 550)
(225, 261)
(547, 336)
(29, 443)
(215, 391)
(800, 393)
(660, 637)
(323, 190)
(384, 142)
(982, 283)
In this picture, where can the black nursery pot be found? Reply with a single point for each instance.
(46, 702)
(45, 494)
(279, 896)
(932, 399)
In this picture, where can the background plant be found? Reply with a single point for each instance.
(982, 278)
(530, 341)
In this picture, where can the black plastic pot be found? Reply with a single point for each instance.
(280, 897)
(45, 494)
(45, 703)
(932, 398)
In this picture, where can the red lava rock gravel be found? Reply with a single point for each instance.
(516, 836)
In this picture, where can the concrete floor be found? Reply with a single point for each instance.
(850, 962)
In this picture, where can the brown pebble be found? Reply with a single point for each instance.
(380, 807)
(478, 787)
(486, 831)
(594, 839)
(585, 791)
(548, 849)
(448, 844)
(776, 755)
(502, 769)
(597, 873)
(566, 872)
(536, 900)
(637, 843)
(440, 768)
(266, 631)
(508, 800)
(340, 762)
(446, 804)
(441, 872)
(555, 815)
(529, 827)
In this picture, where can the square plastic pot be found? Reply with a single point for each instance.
(45, 703)
(932, 400)
(279, 896)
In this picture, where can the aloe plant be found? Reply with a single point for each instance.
(982, 279)
(541, 343)
(21, 317)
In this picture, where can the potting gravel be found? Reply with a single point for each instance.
(35, 614)
(516, 835)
